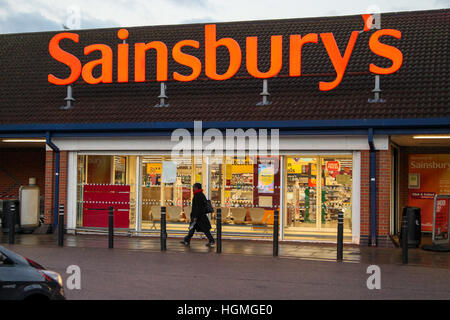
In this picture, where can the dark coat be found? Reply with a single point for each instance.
(199, 212)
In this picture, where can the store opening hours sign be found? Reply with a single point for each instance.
(441, 219)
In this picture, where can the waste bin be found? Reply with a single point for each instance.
(412, 215)
(5, 215)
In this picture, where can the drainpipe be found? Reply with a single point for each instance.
(56, 192)
(373, 190)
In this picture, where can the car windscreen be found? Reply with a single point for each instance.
(14, 257)
(4, 260)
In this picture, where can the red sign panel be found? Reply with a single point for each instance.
(98, 198)
(441, 218)
(333, 166)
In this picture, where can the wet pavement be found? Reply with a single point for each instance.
(292, 250)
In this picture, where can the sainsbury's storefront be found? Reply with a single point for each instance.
(149, 110)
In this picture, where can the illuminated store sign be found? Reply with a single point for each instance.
(209, 64)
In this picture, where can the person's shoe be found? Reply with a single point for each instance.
(184, 242)
(210, 244)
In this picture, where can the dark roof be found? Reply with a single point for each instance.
(420, 89)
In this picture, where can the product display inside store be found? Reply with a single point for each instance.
(317, 189)
(167, 182)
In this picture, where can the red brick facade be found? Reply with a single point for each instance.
(49, 183)
(365, 195)
(17, 166)
(383, 196)
(383, 203)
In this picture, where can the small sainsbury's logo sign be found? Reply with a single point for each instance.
(296, 42)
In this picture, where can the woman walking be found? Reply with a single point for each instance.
(199, 218)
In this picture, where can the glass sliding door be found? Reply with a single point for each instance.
(317, 188)
(168, 182)
(247, 189)
(301, 192)
(336, 192)
(104, 181)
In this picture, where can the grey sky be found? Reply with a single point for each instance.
(45, 15)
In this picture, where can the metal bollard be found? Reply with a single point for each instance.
(12, 223)
(340, 236)
(405, 240)
(276, 218)
(219, 230)
(163, 229)
(111, 228)
(61, 226)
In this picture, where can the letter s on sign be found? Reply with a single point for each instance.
(387, 51)
(63, 56)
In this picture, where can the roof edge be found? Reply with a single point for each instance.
(354, 124)
(175, 25)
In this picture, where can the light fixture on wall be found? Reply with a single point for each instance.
(162, 96)
(264, 94)
(69, 99)
(24, 140)
(432, 137)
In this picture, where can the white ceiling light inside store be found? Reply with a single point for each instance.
(23, 140)
(432, 137)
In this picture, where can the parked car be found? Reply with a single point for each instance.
(24, 279)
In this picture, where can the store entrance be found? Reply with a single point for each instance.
(317, 189)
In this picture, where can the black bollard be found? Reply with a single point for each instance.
(163, 229)
(219, 230)
(61, 226)
(276, 218)
(12, 223)
(111, 228)
(405, 240)
(340, 236)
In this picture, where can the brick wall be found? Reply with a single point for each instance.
(49, 183)
(365, 195)
(383, 192)
(383, 199)
(21, 163)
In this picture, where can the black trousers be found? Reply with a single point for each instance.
(191, 234)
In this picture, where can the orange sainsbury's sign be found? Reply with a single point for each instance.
(296, 42)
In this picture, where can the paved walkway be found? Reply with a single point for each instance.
(136, 269)
(305, 251)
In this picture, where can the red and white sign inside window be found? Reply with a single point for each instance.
(333, 166)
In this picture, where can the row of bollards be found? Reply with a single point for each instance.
(219, 230)
(110, 227)
(61, 226)
(12, 223)
(276, 223)
(163, 231)
(340, 236)
(404, 241)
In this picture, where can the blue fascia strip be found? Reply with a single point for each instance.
(165, 133)
(282, 125)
